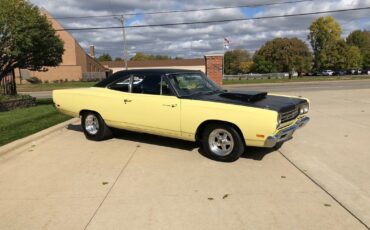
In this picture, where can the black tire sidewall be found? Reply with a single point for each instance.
(103, 131)
(238, 143)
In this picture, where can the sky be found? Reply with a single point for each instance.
(194, 41)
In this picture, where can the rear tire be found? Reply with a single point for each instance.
(222, 142)
(94, 127)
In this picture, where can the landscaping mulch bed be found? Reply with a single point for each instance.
(10, 104)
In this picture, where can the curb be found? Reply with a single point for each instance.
(26, 140)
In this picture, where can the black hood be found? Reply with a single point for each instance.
(253, 99)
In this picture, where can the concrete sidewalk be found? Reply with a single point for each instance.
(139, 181)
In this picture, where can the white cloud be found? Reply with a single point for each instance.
(195, 40)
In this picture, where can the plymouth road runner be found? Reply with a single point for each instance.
(186, 105)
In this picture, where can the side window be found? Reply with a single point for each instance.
(122, 84)
(165, 88)
(146, 84)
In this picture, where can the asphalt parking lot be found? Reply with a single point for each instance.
(318, 180)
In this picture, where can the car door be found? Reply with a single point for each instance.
(112, 101)
(151, 106)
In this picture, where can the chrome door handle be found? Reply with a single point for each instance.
(172, 105)
(127, 101)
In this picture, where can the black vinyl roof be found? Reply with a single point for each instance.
(123, 73)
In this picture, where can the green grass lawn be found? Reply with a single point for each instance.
(52, 86)
(20, 123)
(300, 79)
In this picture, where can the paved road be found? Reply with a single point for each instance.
(40, 94)
(274, 87)
(305, 86)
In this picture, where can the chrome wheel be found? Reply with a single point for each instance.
(92, 124)
(221, 142)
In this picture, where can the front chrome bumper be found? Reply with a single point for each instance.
(285, 134)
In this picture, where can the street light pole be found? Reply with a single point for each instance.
(125, 53)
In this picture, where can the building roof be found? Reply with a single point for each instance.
(155, 63)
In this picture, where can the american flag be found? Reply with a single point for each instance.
(226, 43)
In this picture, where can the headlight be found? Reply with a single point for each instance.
(304, 109)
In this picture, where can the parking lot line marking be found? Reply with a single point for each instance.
(323, 189)
(114, 183)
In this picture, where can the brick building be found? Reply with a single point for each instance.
(75, 65)
(214, 67)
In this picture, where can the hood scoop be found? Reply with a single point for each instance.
(249, 96)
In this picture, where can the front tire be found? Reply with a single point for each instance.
(222, 142)
(278, 146)
(94, 127)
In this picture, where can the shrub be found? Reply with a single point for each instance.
(46, 81)
(34, 80)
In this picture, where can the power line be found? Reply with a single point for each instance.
(184, 11)
(216, 21)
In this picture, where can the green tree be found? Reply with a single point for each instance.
(261, 65)
(286, 54)
(237, 61)
(340, 55)
(105, 57)
(334, 56)
(366, 60)
(361, 39)
(27, 39)
(354, 58)
(324, 33)
(118, 59)
(139, 56)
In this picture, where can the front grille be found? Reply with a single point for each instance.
(290, 115)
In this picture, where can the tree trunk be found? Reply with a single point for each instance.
(290, 74)
(7, 84)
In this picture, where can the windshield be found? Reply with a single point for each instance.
(188, 84)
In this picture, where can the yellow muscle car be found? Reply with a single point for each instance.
(186, 105)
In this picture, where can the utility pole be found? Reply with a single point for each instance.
(223, 60)
(125, 53)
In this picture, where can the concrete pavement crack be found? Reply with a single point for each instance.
(326, 191)
(110, 189)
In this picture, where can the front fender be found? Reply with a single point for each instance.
(255, 124)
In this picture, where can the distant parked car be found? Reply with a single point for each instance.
(340, 72)
(317, 73)
(351, 72)
(354, 72)
(328, 72)
(314, 73)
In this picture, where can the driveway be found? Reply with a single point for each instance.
(319, 180)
